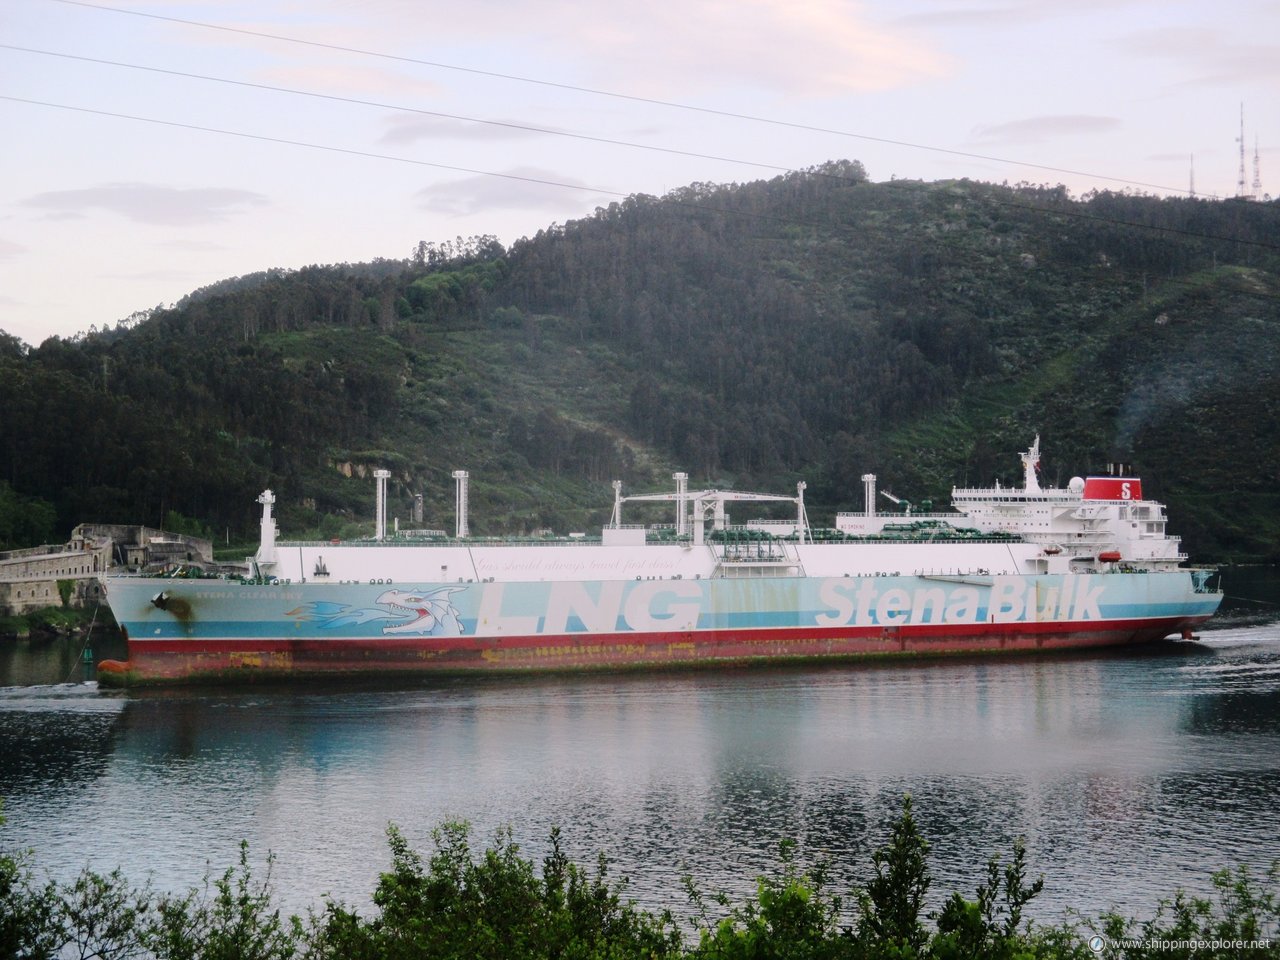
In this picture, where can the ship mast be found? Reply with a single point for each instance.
(1030, 461)
(267, 536)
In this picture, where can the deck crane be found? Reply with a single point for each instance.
(903, 505)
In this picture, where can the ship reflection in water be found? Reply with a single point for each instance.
(1129, 775)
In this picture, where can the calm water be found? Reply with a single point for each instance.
(1128, 775)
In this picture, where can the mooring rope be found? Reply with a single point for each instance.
(88, 635)
(1270, 603)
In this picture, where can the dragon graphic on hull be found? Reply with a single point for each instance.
(426, 613)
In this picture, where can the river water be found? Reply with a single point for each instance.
(1129, 775)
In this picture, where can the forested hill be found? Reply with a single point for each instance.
(816, 326)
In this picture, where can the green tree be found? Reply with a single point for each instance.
(28, 908)
(988, 928)
(455, 906)
(101, 916)
(792, 917)
(24, 521)
(234, 917)
(889, 907)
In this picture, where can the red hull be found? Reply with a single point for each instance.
(211, 659)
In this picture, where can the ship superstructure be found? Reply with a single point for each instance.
(1094, 520)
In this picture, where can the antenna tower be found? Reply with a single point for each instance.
(1193, 176)
(1240, 140)
(1257, 175)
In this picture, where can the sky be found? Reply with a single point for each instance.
(152, 147)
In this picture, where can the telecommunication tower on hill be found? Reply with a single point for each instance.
(1257, 172)
(1240, 140)
(1253, 191)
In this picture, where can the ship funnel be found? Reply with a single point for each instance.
(380, 509)
(869, 493)
(460, 478)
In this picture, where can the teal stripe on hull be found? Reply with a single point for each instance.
(192, 609)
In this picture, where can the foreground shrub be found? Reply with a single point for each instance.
(28, 910)
(455, 906)
(792, 916)
(230, 918)
(498, 906)
(1232, 925)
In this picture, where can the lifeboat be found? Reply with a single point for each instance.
(1109, 556)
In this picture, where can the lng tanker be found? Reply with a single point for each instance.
(1008, 569)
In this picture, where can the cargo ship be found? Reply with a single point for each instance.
(1006, 569)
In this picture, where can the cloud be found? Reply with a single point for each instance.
(666, 48)
(1205, 55)
(521, 188)
(195, 246)
(148, 203)
(369, 79)
(159, 275)
(1039, 129)
(10, 250)
(976, 16)
(804, 47)
(409, 128)
(1009, 13)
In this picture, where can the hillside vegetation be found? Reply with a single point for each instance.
(816, 326)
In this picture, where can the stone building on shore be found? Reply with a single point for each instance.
(36, 577)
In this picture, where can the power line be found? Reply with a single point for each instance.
(313, 146)
(367, 154)
(653, 101)
(392, 106)
(503, 124)
(599, 191)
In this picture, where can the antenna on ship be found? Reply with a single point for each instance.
(802, 519)
(267, 542)
(682, 491)
(616, 520)
(460, 506)
(380, 507)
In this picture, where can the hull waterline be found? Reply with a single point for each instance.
(196, 630)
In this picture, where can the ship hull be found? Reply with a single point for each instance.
(200, 629)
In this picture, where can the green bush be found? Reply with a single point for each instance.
(27, 908)
(497, 904)
(456, 906)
